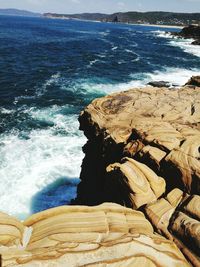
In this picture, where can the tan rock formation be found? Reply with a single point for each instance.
(143, 185)
(177, 218)
(157, 126)
(75, 236)
(194, 81)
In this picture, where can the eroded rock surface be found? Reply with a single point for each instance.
(140, 183)
(194, 81)
(106, 235)
(177, 217)
(159, 127)
(143, 152)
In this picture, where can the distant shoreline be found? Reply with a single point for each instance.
(136, 24)
(161, 26)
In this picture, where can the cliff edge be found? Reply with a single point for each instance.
(138, 200)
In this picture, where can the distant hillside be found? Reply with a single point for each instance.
(17, 12)
(160, 18)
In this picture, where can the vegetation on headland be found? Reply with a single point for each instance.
(160, 18)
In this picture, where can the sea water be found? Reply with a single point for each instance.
(49, 71)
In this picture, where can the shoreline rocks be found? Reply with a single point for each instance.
(189, 32)
(194, 81)
(138, 200)
(106, 235)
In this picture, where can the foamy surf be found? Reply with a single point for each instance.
(184, 44)
(28, 165)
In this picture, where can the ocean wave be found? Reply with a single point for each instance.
(92, 62)
(114, 48)
(184, 44)
(175, 76)
(41, 90)
(28, 165)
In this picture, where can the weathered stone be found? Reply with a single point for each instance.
(157, 126)
(194, 80)
(188, 32)
(141, 185)
(105, 235)
(159, 84)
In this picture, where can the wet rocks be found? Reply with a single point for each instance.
(159, 84)
(190, 32)
(194, 81)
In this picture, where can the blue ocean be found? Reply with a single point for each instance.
(49, 71)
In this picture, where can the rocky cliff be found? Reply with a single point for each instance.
(143, 151)
(143, 154)
(106, 235)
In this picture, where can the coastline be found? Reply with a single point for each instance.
(161, 26)
(135, 24)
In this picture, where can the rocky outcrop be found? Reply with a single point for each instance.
(159, 84)
(140, 183)
(194, 81)
(177, 217)
(155, 126)
(106, 235)
(190, 32)
(143, 152)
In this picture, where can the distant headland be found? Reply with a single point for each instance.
(18, 12)
(156, 18)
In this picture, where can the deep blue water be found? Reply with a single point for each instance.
(51, 69)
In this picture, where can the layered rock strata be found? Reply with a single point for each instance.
(159, 127)
(177, 217)
(143, 152)
(106, 235)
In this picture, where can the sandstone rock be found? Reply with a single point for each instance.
(175, 197)
(11, 230)
(156, 126)
(152, 155)
(193, 207)
(187, 229)
(177, 218)
(143, 185)
(106, 235)
(194, 80)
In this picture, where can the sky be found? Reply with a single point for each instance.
(102, 6)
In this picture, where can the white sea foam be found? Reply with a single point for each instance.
(29, 165)
(6, 111)
(175, 76)
(41, 90)
(92, 62)
(114, 48)
(184, 44)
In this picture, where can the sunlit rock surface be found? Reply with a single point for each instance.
(159, 127)
(105, 235)
(143, 153)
